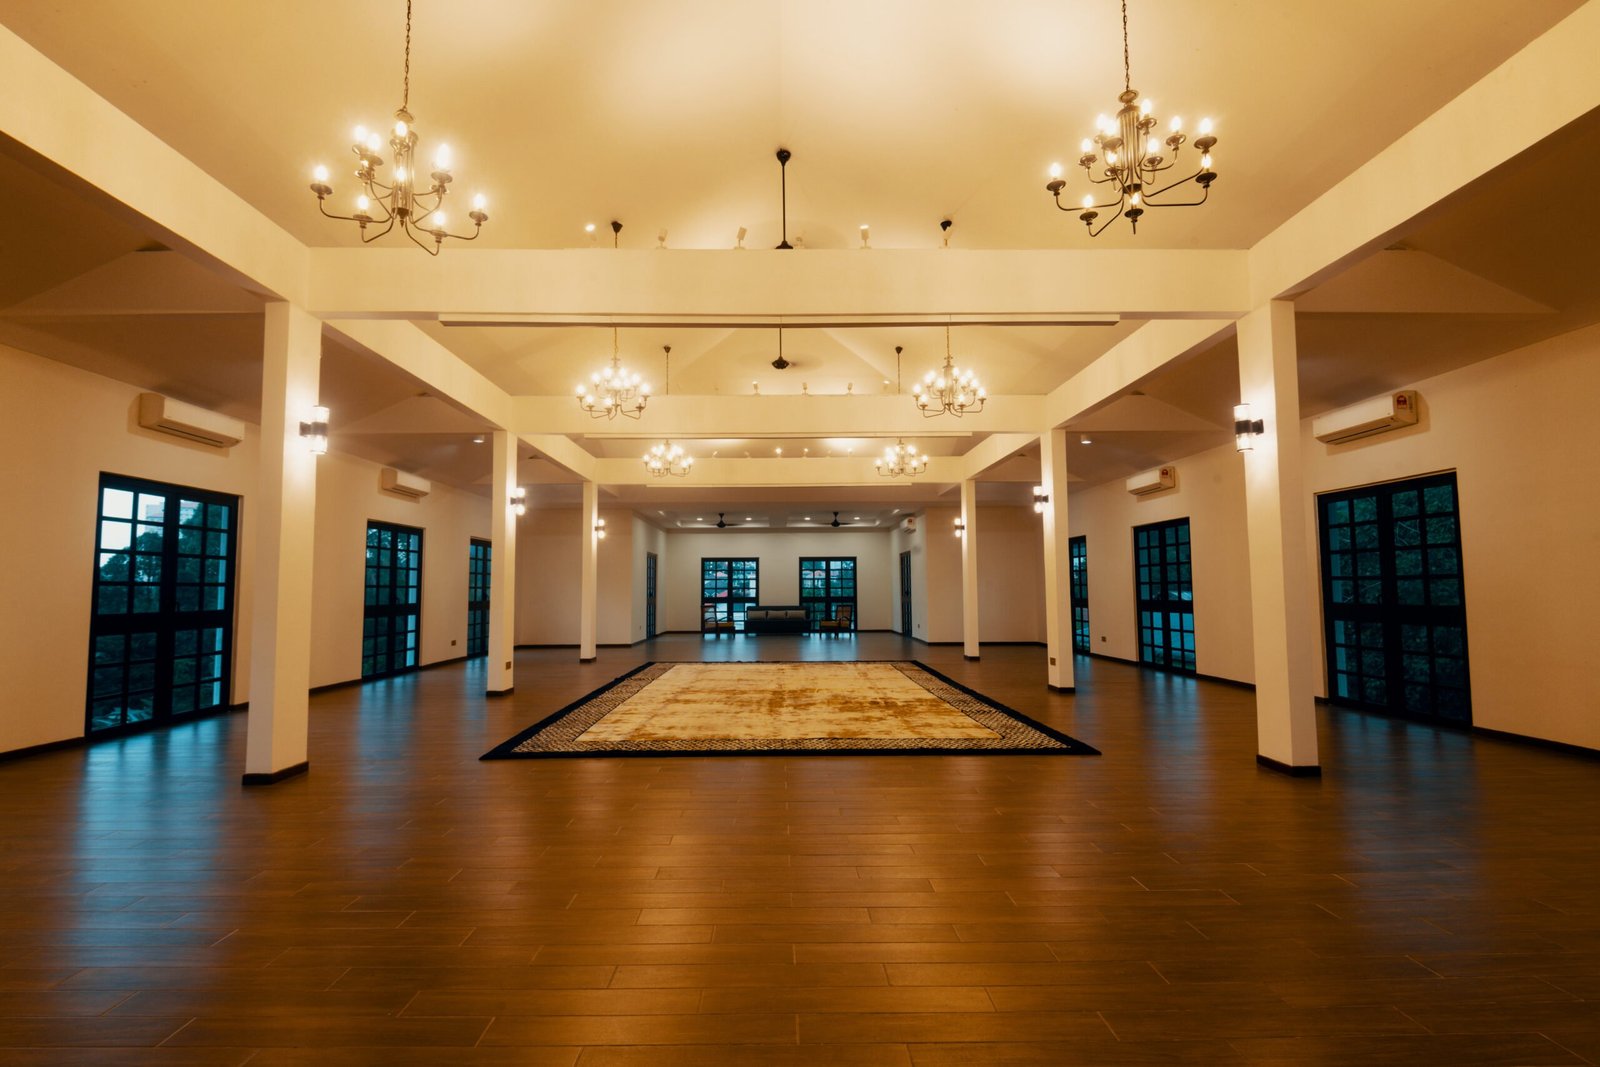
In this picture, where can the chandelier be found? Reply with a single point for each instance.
(901, 458)
(614, 391)
(1133, 156)
(403, 201)
(949, 389)
(667, 458)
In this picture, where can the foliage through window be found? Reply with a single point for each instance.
(827, 583)
(1078, 554)
(392, 623)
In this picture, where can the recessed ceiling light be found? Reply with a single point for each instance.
(807, 518)
(1083, 439)
(857, 518)
(478, 440)
(777, 451)
(747, 518)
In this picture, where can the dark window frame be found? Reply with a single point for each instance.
(1163, 576)
(825, 605)
(1078, 591)
(732, 604)
(380, 612)
(479, 572)
(170, 647)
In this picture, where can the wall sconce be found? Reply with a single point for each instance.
(866, 235)
(315, 431)
(519, 501)
(600, 529)
(960, 527)
(1245, 429)
(1040, 499)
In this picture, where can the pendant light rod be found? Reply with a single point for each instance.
(784, 155)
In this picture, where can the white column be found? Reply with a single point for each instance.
(1057, 561)
(588, 609)
(500, 678)
(969, 568)
(284, 513)
(1280, 573)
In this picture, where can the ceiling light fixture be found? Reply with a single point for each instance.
(1132, 154)
(667, 458)
(949, 389)
(615, 390)
(416, 210)
(901, 458)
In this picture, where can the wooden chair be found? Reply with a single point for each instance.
(710, 624)
(840, 623)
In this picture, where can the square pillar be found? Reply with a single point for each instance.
(588, 609)
(284, 513)
(500, 678)
(969, 569)
(1057, 562)
(1280, 573)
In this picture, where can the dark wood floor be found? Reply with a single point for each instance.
(1434, 898)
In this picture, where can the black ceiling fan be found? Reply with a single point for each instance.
(836, 523)
(723, 524)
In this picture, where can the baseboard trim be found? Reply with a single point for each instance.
(1061, 688)
(588, 659)
(967, 657)
(1582, 751)
(1302, 770)
(274, 777)
(492, 693)
(41, 749)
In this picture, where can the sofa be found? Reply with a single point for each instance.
(783, 619)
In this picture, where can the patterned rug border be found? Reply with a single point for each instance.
(1070, 746)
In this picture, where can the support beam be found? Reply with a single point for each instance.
(685, 417)
(500, 677)
(1280, 575)
(444, 373)
(677, 287)
(1136, 357)
(284, 513)
(995, 449)
(969, 569)
(565, 453)
(1542, 88)
(1057, 562)
(47, 111)
(589, 595)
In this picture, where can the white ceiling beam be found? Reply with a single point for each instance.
(811, 287)
(49, 112)
(775, 416)
(1132, 359)
(443, 372)
(766, 472)
(1542, 88)
(564, 453)
(997, 448)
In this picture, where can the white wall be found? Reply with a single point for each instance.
(348, 496)
(779, 552)
(1518, 432)
(550, 577)
(647, 539)
(1210, 494)
(1010, 575)
(60, 427)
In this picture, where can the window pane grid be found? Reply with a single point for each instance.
(392, 592)
(727, 587)
(1163, 580)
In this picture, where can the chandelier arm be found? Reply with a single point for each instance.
(368, 240)
(1181, 181)
(1113, 217)
(433, 251)
(343, 218)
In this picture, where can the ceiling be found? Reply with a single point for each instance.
(666, 117)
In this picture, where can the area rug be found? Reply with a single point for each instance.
(789, 709)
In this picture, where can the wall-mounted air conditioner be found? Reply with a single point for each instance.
(404, 484)
(1377, 415)
(157, 412)
(1153, 480)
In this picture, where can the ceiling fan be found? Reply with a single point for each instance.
(836, 523)
(723, 524)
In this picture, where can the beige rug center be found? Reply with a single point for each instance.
(753, 701)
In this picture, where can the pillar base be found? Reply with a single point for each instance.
(499, 692)
(273, 777)
(587, 659)
(1061, 688)
(1302, 770)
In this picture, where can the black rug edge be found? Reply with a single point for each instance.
(1073, 747)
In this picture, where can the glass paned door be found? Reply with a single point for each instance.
(161, 632)
(477, 598)
(1394, 606)
(728, 587)
(650, 565)
(1078, 554)
(1165, 590)
(905, 594)
(827, 583)
(391, 626)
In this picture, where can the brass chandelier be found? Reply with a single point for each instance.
(417, 210)
(901, 458)
(614, 391)
(666, 459)
(949, 389)
(1132, 157)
